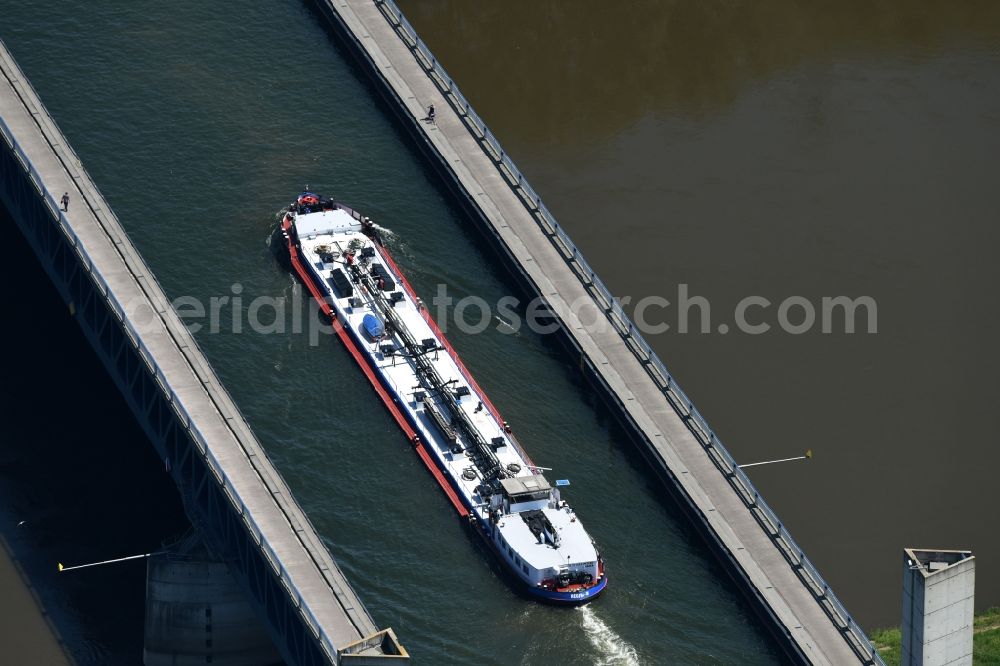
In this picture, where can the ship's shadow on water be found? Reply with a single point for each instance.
(278, 248)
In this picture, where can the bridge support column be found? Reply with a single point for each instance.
(196, 613)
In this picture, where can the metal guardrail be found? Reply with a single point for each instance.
(120, 313)
(685, 408)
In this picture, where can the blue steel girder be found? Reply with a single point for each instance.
(218, 519)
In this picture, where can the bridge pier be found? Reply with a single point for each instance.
(197, 613)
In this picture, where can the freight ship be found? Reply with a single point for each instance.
(457, 432)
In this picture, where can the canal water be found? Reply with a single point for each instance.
(199, 123)
(741, 149)
(780, 149)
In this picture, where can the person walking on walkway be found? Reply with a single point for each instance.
(430, 114)
(65, 202)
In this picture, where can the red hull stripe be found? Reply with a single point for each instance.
(376, 383)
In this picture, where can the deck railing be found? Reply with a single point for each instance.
(767, 518)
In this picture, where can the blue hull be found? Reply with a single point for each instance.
(569, 598)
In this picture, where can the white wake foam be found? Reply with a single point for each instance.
(612, 649)
(385, 231)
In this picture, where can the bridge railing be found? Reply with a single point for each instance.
(624, 325)
(122, 315)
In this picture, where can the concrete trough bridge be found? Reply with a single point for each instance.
(232, 492)
(243, 512)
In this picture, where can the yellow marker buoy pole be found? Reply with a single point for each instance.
(808, 455)
(63, 568)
